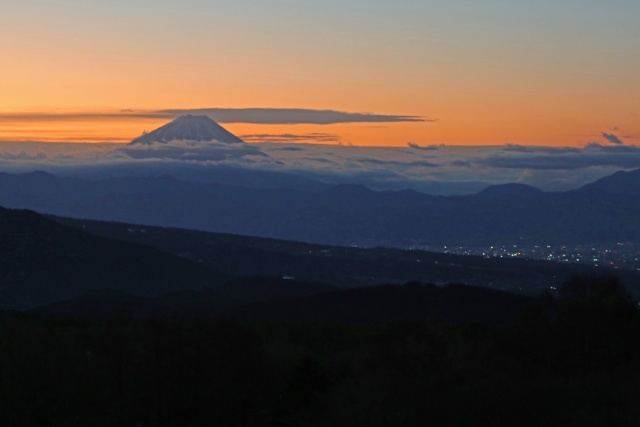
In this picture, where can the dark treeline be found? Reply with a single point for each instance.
(572, 360)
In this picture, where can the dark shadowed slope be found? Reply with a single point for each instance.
(188, 128)
(410, 302)
(42, 261)
(347, 266)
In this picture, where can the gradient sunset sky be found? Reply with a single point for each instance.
(463, 72)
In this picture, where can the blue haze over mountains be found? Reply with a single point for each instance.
(602, 212)
(280, 204)
(194, 148)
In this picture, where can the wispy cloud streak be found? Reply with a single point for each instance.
(612, 138)
(222, 115)
(291, 138)
(287, 116)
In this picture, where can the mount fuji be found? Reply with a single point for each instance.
(188, 128)
(193, 140)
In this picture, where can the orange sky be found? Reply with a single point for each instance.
(500, 72)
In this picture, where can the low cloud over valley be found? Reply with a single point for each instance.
(434, 169)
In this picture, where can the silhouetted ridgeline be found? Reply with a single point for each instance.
(344, 214)
(621, 182)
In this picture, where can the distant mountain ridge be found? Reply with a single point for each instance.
(339, 215)
(510, 189)
(621, 182)
(188, 128)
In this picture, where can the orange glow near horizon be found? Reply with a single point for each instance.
(488, 128)
(486, 74)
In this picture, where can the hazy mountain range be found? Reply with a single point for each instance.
(604, 212)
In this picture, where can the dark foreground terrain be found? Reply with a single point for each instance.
(126, 333)
(43, 261)
(569, 361)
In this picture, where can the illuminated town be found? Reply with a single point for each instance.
(619, 255)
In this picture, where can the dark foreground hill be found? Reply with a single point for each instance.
(43, 261)
(569, 361)
(410, 302)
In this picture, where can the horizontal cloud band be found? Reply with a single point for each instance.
(222, 115)
(287, 116)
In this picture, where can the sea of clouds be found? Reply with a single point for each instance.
(436, 169)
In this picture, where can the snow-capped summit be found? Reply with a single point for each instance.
(188, 128)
